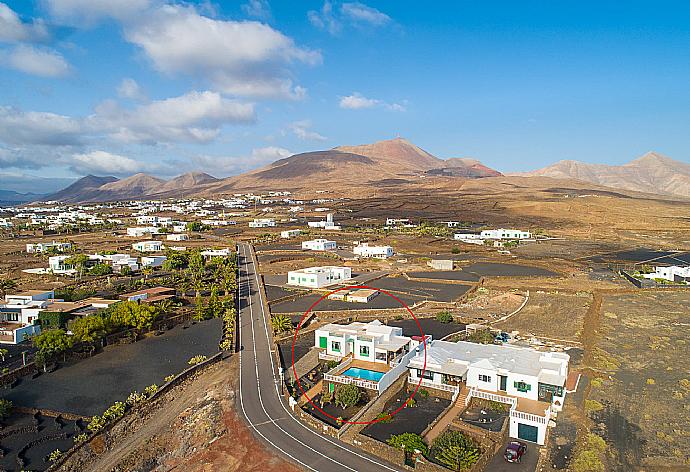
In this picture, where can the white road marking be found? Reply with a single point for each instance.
(263, 407)
(280, 399)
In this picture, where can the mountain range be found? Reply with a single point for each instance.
(380, 165)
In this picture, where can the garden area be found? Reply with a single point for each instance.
(453, 449)
(417, 415)
(342, 404)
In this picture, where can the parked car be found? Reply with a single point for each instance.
(514, 451)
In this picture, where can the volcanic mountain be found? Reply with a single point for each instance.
(84, 189)
(651, 173)
(384, 163)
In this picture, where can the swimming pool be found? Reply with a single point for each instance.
(364, 374)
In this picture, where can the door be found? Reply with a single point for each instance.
(323, 342)
(503, 382)
(528, 432)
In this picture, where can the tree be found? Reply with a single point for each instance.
(281, 323)
(409, 442)
(200, 311)
(164, 307)
(142, 317)
(215, 307)
(3, 353)
(347, 395)
(78, 261)
(7, 285)
(481, 336)
(455, 450)
(126, 270)
(52, 342)
(101, 269)
(147, 271)
(175, 260)
(89, 328)
(444, 316)
(5, 408)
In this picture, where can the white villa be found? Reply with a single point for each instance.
(317, 277)
(208, 253)
(378, 252)
(148, 246)
(177, 237)
(262, 223)
(138, 232)
(43, 247)
(530, 381)
(319, 245)
(19, 312)
(492, 234)
(152, 261)
(672, 273)
(327, 224)
(360, 295)
(372, 342)
(290, 233)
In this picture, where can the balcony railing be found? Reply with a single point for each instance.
(530, 417)
(427, 384)
(474, 392)
(343, 379)
(324, 356)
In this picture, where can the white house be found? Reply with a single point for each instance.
(319, 245)
(370, 342)
(530, 381)
(317, 277)
(138, 232)
(262, 223)
(672, 273)
(208, 253)
(152, 261)
(148, 246)
(178, 237)
(379, 252)
(327, 224)
(505, 234)
(56, 265)
(362, 295)
(469, 237)
(19, 313)
(290, 233)
(118, 261)
(43, 247)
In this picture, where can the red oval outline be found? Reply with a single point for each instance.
(299, 326)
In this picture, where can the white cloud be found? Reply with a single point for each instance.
(325, 19)
(31, 127)
(244, 58)
(102, 162)
(42, 62)
(129, 88)
(332, 20)
(224, 165)
(12, 28)
(88, 12)
(257, 9)
(302, 129)
(357, 101)
(193, 117)
(363, 13)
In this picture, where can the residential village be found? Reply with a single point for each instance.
(434, 344)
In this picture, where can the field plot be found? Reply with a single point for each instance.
(551, 314)
(490, 304)
(498, 269)
(90, 386)
(642, 411)
(455, 275)
(431, 326)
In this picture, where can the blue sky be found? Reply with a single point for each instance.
(167, 87)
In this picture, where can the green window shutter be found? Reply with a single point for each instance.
(323, 342)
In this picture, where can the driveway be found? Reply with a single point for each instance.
(528, 464)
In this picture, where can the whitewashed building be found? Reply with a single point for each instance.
(44, 247)
(378, 252)
(531, 382)
(290, 233)
(139, 231)
(177, 237)
(371, 342)
(152, 261)
(148, 246)
(262, 223)
(317, 277)
(319, 245)
(671, 273)
(505, 234)
(19, 314)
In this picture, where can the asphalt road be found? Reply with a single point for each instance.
(260, 402)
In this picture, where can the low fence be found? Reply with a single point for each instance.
(138, 409)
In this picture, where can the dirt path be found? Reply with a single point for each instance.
(162, 420)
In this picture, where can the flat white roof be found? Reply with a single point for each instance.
(449, 357)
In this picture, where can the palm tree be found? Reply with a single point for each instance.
(165, 306)
(148, 270)
(281, 323)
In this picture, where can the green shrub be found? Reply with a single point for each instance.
(444, 317)
(347, 395)
(408, 442)
(455, 450)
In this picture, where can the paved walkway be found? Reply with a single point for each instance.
(448, 418)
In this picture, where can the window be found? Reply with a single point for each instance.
(484, 378)
(425, 374)
(335, 346)
(364, 351)
(522, 386)
(381, 356)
